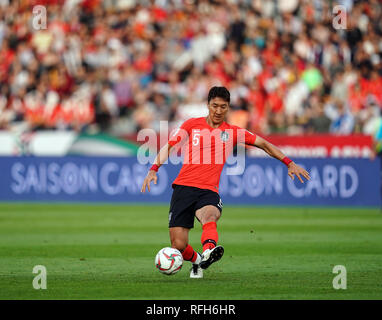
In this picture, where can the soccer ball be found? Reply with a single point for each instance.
(169, 261)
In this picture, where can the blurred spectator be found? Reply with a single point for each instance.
(319, 122)
(343, 120)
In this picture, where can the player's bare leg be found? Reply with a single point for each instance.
(179, 237)
(208, 216)
(179, 240)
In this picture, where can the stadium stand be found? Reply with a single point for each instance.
(117, 66)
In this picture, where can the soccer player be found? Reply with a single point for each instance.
(207, 142)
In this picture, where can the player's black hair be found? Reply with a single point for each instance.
(220, 92)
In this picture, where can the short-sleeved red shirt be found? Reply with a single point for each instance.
(205, 151)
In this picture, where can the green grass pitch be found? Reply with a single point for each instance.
(107, 252)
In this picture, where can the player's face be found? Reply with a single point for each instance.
(218, 109)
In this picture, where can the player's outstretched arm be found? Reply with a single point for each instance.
(161, 157)
(273, 151)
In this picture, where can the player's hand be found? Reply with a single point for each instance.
(294, 169)
(151, 175)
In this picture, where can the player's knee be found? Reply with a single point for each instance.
(178, 244)
(211, 216)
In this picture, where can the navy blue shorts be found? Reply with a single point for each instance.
(186, 200)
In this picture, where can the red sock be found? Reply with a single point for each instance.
(209, 235)
(189, 254)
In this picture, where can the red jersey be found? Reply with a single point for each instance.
(205, 151)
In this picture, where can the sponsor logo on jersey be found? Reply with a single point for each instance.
(224, 136)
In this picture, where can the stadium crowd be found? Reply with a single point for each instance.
(122, 65)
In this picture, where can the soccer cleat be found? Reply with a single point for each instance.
(196, 271)
(210, 256)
